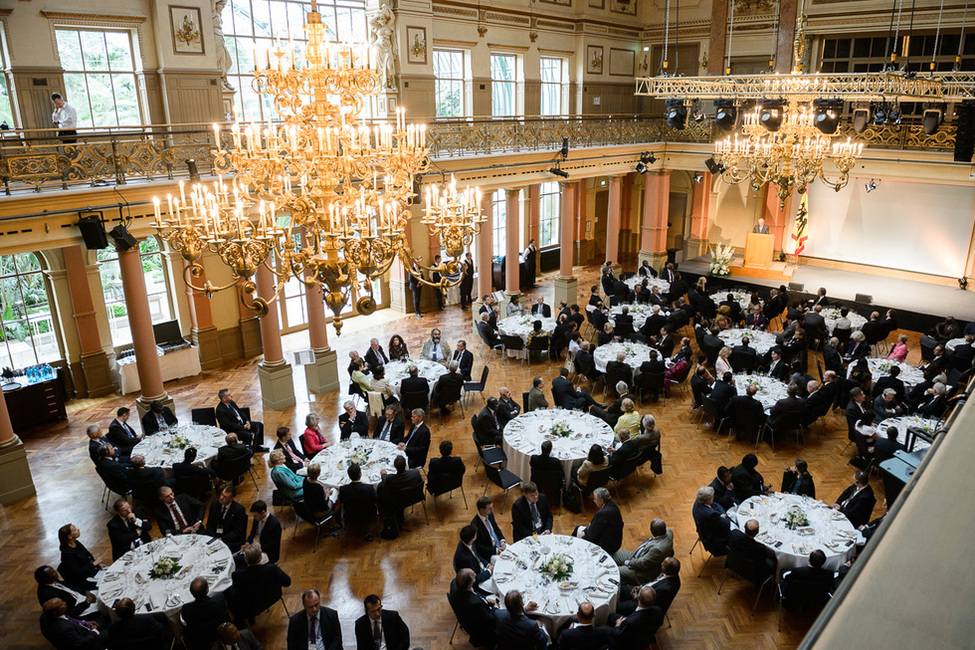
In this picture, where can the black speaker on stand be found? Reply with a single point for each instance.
(93, 231)
(123, 238)
(965, 131)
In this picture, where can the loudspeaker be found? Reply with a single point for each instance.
(123, 238)
(796, 286)
(965, 133)
(863, 298)
(93, 232)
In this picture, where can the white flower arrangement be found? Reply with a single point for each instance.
(562, 430)
(178, 441)
(359, 456)
(795, 519)
(557, 567)
(721, 258)
(165, 567)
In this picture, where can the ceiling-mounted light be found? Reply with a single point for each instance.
(646, 159)
(871, 186)
(564, 151)
(770, 115)
(713, 166)
(698, 177)
(725, 114)
(561, 173)
(640, 167)
(861, 119)
(675, 113)
(933, 116)
(828, 114)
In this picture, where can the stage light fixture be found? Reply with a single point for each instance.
(650, 159)
(564, 151)
(861, 118)
(676, 113)
(879, 114)
(698, 177)
(828, 114)
(697, 115)
(871, 186)
(640, 167)
(963, 283)
(646, 159)
(771, 114)
(932, 119)
(713, 166)
(725, 114)
(561, 173)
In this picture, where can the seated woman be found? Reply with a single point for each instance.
(723, 320)
(596, 461)
(629, 421)
(397, 348)
(702, 361)
(536, 331)
(899, 351)
(860, 375)
(722, 364)
(293, 458)
(313, 440)
(607, 335)
(381, 386)
(283, 478)
(359, 376)
(514, 307)
(78, 566)
(575, 343)
(315, 495)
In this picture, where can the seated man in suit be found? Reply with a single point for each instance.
(448, 388)
(831, 357)
(435, 349)
(508, 408)
(314, 624)
(359, 501)
(666, 585)
(748, 481)
(375, 355)
(606, 528)
(712, 523)
(786, 407)
(228, 519)
(885, 448)
(565, 395)
(639, 629)
(643, 565)
(541, 309)
(64, 632)
(724, 495)
(811, 576)
(389, 487)
(490, 540)
(232, 454)
(488, 334)
(888, 406)
(544, 461)
(467, 557)
(131, 629)
(746, 350)
(513, 629)
(257, 586)
(416, 441)
(390, 427)
(582, 634)
(353, 421)
(487, 426)
(95, 440)
(231, 420)
(536, 398)
(723, 392)
(755, 320)
(380, 628)
(475, 613)
(530, 515)
(128, 529)
(146, 481)
(891, 380)
(699, 385)
(202, 616)
(178, 514)
(265, 530)
(584, 363)
(777, 369)
(446, 464)
(414, 383)
(857, 501)
(158, 418)
(745, 545)
(464, 359)
(115, 473)
(50, 585)
(121, 434)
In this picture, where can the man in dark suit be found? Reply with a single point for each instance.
(638, 630)
(891, 380)
(541, 309)
(487, 333)
(230, 636)
(414, 383)
(755, 320)
(487, 426)
(359, 501)
(514, 630)
(467, 557)
(95, 440)
(227, 519)
(606, 528)
(724, 495)
(314, 624)
(885, 448)
(442, 466)
(202, 616)
(121, 434)
(530, 515)
(231, 420)
(745, 545)
(464, 359)
(582, 634)
(490, 540)
(416, 441)
(146, 481)
(266, 530)
(473, 611)
(857, 501)
(375, 355)
(131, 628)
(888, 406)
(380, 628)
(700, 386)
(712, 523)
(624, 323)
(467, 283)
(128, 529)
(448, 388)
(391, 484)
(543, 461)
(831, 356)
(508, 408)
(231, 453)
(64, 632)
(867, 530)
(584, 362)
(855, 409)
(778, 368)
(257, 586)
(723, 392)
(114, 472)
(786, 407)
(813, 575)
(416, 288)
(390, 427)
(744, 349)
(50, 585)
(157, 418)
(353, 421)
(565, 395)
(178, 514)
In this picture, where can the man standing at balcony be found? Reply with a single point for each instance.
(64, 118)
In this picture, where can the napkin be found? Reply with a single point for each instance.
(158, 601)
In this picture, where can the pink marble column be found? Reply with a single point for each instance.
(270, 324)
(512, 276)
(82, 307)
(613, 220)
(701, 208)
(484, 246)
(656, 204)
(7, 437)
(568, 228)
(140, 322)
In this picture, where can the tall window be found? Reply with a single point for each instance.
(6, 103)
(554, 87)
(450, 87)
(251, 25)
(504, 84)
(157, 290)
(99, 76)
(27, 326)
(499, 223)
(550, 213)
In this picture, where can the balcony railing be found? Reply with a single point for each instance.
(35, 160)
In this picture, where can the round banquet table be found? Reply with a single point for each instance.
(760, 340)
(651, 283)
(639, 312)
(521, 326)
(829, 530)
(397, 371)
(595, 577)
(910, 375)
(636, 354)
(163, 449)
(832, 314)
(335, 460)
(743, 298)
(770, 389)
(905, 422)
(954, 343)
(198, 555)
(523, 438)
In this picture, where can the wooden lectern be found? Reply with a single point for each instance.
(758, 250)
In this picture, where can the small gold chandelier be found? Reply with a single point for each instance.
(327, 193)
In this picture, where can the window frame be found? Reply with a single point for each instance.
(463, 83)
(31, 334)
(554, 220)
(561, 87)
(514, 100)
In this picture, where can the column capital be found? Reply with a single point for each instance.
(614, 177)
(513, 191)
(660, 172)
(567, 184)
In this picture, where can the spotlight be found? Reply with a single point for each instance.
(879, 114)
(650, 159)
(725, 114)
(713, 166)
(932, 119)
(646, 159)
(698, 177)
(697, 115)
(558, 172)
(676, 113)
(871, 186)
(828, 114)
(962, 283)
(564, 151)
(640, 167)
(861, 118)
(771, 114)
(191, 168)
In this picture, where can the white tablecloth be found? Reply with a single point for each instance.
(954, 343)
(832, 314)
(828, 530)
(636, 354)
(743, 298)
(910, 375)
(521, 326)
(905, 422)
(162, 450)
(198, 555)
(523, 438)
(397, 371)
(639, 312)
(761, 341)
(335, 461)
(770, 390)
(651, 283)
(595, 577)
(181, 363)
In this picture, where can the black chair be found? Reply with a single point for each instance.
(452, 397)
(524, 402)
(596, 480)
(791, 421)
(712, 553)
(620, 472)
(617, 375)
(120, 488)
(710, 407)
(795, 595)
(233, 470)
(199, 486)
(445, 483)
(503, 479)
(511, 343)
(928, 344)
(404, 498)
(743, 362)
(206, 416)
(745, 424)
(843, 336)
(652, 382)
(490, 454)
(145, 492)
(418, 399)
(539, 344)
(747, 569)
(471, 387)
(551, 484)
(491, 348)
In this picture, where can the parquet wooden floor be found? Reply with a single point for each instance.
(412, 573)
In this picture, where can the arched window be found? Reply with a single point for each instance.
(157, 289)
(29, 335)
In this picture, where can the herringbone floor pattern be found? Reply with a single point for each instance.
(413, 573)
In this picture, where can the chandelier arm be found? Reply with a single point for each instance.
(195, 270)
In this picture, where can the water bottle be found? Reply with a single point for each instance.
(51, 374)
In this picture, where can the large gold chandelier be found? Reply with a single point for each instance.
(325, 192)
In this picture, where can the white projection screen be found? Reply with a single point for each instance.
(914, 227)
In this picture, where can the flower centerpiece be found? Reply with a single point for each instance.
(178, 441)
(359, 456)
(164, 568)
(628, 349)
(795, 519)
(557, 567)
(885, 366)
(562, 430)
(721, 257)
